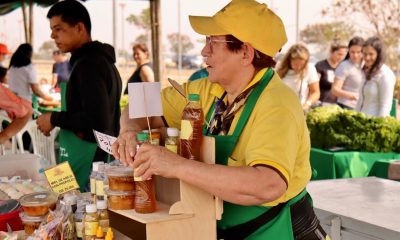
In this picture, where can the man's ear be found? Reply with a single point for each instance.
(248, 54)
(81, 27)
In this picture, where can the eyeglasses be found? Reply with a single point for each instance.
(210, 41)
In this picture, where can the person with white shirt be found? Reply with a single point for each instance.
(348, 75)
(300, 75)
(376, 93)
(22, 74)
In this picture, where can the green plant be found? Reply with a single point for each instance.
(332, 126)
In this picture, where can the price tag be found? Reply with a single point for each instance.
(61, 178)
(104, 141)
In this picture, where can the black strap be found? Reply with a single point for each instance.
(241, 231)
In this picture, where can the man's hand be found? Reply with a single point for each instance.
(124, 149)
(156, 160)
(44, 124)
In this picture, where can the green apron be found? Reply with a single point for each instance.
(281, 226)
(79, 153)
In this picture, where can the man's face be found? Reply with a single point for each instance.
(222, 63)
(2, 57)
(67, 37)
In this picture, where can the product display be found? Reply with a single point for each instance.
(90, 222)
(30, 223)
(191, 128)
(38, 204)
(121, 200)
(172, 141)
(102, 212)
(145, 198)
(121, 179)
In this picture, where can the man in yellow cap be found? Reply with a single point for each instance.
(262, 140)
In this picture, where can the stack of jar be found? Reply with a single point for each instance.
(121, 188)
(36, 206)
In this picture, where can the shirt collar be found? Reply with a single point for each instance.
(217, 90)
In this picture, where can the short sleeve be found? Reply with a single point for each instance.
(312, 74)
(340, 72)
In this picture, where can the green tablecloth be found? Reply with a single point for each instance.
(347, 164)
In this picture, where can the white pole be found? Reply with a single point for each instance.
(297, 20)
(179, 39)
(114, 11)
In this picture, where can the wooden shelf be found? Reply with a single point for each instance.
(183, 211)
(161, 215)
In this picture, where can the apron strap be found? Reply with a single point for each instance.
(251, 102)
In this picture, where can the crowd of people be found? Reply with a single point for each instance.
(353, 76)
(254, 105)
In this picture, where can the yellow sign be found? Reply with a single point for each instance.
(61, 178)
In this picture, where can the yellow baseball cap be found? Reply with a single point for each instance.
(247, 20)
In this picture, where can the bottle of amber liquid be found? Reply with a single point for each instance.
(145, 196)
(172, 141)
(191, 129)
(91, 222)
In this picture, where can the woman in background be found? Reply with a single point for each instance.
(300, 75)
(22, 74)
(326, 70)
(18, 110)
(348, 75)
(376, 93)
(144, 71)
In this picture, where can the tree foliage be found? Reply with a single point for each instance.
(186, 42)
(142, 21)
(323, 34)
(375, 17)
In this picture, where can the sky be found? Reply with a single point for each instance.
(11, 28)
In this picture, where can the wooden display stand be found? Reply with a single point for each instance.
(183, 211)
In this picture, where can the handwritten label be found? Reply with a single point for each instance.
(104, 141)
(61, 178)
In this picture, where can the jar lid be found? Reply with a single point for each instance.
(95, 166)
(142, 136)
(91, 208)
(119, 193)
(194, 97)
(39, 199)
(173, 132)
(101, 204)
(120, 171)
(26, 218)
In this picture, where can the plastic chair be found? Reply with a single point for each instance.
(42, 145)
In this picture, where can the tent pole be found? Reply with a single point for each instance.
(155, 17)
(31, 22)
(24, 19)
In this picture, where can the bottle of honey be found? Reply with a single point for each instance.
(145, 196)
(191, 129)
